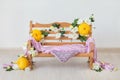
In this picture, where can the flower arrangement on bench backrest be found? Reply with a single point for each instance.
(78, 31)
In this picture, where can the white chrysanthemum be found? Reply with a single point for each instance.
(24, 46)
(73, 36)
(88, 21)
(15, 67)
(74, 30)
(96, 66)
(52, 28)
(33, 52)
(27, 69)
(58, 35)
(56, 29)
(71, 26)
(21, 55)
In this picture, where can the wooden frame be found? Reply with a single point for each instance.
(62, 24)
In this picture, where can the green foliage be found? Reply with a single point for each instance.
(92, 18)
(82, 38)
(62, 31)
(56, 25)
(75, 22)
(45, 33)
(8, 68)
(99, 70)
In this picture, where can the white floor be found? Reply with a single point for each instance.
(52, 69)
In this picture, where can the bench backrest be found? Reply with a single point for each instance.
(52, 40)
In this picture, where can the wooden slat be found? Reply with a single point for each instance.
(61, 43)
(62, 24)
(53, 32)
(54, 38)
(50, 55)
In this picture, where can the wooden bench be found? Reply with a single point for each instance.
(60, 41)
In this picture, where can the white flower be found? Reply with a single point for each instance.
(15, 67)
(27, 69)
(71, 26)
(58, 35)
(96, 66)
(8, 67)
(74, 30)
(56, 29)
(24, 46)
(52, 28)
(21, 55)
(88, 21)
(33, 52)
(73, 36)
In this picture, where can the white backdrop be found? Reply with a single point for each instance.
(16, 14)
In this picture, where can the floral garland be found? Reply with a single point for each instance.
(81, 31)
(59, 31)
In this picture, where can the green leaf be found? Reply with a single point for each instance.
(45, 33)
(82, 38)
(9, 69)
(92, 18)
(56, 25)
(75, 22)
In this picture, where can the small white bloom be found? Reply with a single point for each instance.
(27, 69)
(43, 36)
(96, 66)
(52, 28)
(74, 30)
(15, 67)
(58, 35)
(33, 52)
(24, 46)
(74, 36)
(8, 67)
(71, 26)
(21, 55)
(56, 29)
(88, 21)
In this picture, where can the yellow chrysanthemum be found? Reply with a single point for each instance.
(84, 29)
(36, 34)
(22, 62)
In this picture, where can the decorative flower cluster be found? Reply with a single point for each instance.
(59, 31)
(39, 34)
(80, 31)
(98, 66)
(22, 63)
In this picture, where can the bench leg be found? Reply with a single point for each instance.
(88, 59)
(30, 60)
(91, 62)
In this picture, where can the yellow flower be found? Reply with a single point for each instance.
(84, 29)
(36, 34)
(22, 62)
